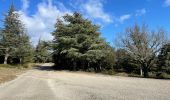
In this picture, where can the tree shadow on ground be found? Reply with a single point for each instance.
(44, 68)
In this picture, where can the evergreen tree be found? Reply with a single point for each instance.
(1, 40)
(164, 59)
(41, 53)
(14, 40)
(24, 51)
(125, 63)
(10, 33)
(77, 44)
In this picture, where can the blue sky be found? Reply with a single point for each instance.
(39, 16)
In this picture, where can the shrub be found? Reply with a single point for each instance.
(5, 65)
(163, 76)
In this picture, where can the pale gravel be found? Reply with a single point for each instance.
(63, 85)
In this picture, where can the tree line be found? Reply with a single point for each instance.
(15, 45)
(78, 45)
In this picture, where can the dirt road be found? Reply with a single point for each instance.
(43, 84)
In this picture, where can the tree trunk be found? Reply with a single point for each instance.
(141, 71)
(88, 65)
(6, 56)
(74, 66)
(20, 60)
(100, 68)
(145, 72)
(83, 65)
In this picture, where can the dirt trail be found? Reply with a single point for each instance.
(45, 84)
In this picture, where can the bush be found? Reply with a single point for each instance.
(163, 76)
(109, 72)
(5, 65)
(28, 65)
(91, 70)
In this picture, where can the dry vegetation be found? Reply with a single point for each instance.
(9, 72)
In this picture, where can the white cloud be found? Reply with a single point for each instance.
(140, 12)
(167, 2)
(25, 5)
(41, 23)
(94, 9)
(124, 17)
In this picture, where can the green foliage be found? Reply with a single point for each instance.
(164, 59)
(163, 76)
(25, 50)
(10, 65)
(14, 42)
(109, 72)
(77, 45)
(5, 65)
(11, 31)
(124, 62)
(42, 52)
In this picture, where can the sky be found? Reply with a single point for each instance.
(113, 16)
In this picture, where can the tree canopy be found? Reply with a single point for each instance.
(143, 46)
(77, 44)
(14, 40)
(42, 52)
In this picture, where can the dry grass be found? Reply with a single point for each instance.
(7, 74)
(10, 72)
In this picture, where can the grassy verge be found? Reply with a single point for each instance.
(7, 74)
(10, 72)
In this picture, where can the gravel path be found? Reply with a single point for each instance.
(44, 84)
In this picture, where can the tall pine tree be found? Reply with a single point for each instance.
(41, 53)
(77, 44)
(164, 59)
(24, 50)
(14, 42)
